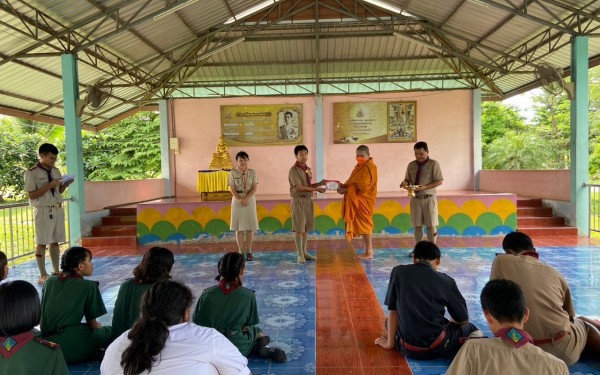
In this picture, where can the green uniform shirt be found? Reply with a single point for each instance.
(35, 358)
(127, 306)
(228, 314)
(64, 304)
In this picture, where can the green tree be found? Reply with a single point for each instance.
(496, 119)
(523, 150)
(18, 152)
(125, 151)
(552, 122)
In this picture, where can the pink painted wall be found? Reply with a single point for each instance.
(444, 121)
(99, 195)
(553, 184)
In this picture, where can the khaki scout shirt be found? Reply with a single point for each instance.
(297, 177)
(546, 292)
(496, 357)
(430, 172)
(36, 178)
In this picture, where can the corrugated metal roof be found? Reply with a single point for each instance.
(354, 47)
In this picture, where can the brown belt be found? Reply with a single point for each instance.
(57, 205)
(550, 340)
(424, 196)
(433, 345)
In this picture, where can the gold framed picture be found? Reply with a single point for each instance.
(402, 122)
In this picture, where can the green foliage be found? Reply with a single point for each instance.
(126, 151)
(18, 152)
(496, 119)
(517, 151)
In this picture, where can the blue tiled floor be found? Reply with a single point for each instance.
(284, 290)
(470, 267)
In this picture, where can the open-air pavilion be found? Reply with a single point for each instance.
(188, 59)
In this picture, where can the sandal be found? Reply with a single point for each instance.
(249, 257)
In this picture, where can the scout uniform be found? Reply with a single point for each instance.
(233, 312)
(189, 350)
(421, 295)
(65, 301)
(243, 218)
(303, 212)
(49, 216)
(511, 352)
(23, 354)
(552, 322)
(423, 207)
(127, 306)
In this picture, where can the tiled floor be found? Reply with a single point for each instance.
(327, 315)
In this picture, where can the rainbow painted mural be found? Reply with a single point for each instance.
(479, 215)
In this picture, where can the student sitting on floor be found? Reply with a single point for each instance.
(512, 350)
(3, 266)
(231, 309)
(66, 299)
(156, 265)
(164, 342)
(417, 298)
(20, 351)
(552, 322)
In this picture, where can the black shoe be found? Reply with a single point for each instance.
(263, 341)
(275, 355)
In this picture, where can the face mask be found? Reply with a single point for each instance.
(361, 159)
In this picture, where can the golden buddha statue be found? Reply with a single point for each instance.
(221, 159)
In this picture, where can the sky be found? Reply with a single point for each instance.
(524, 104)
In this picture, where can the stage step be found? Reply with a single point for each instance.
(536, 220)
(119, 228)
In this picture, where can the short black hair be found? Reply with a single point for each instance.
(48, 148)
(421, 145)
(517, 242)
(243, 155)
(299, 148)
(426, 250)
(364, 148)
(20, 308)
(504, 300)
(156, 265)
(288, 113)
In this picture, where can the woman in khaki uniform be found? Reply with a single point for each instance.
(243, 183)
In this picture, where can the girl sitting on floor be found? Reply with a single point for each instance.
(231, 309)
(155, 266)
(20, 351)
(66, 299)
(164, 342)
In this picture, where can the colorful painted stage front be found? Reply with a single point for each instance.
(189, 219)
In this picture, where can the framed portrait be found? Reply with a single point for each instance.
(402, 122)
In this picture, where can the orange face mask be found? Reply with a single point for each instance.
(361, 159)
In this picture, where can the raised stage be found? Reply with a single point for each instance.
(189, 219)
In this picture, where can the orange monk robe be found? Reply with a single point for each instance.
(359, 200)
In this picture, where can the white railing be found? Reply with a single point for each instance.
(17, 230)
(594, 207)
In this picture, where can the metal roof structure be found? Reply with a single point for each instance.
(145, 50)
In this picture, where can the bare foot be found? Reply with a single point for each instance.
(364, 256)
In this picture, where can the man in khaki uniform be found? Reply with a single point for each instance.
(44, 189)
(423, 175)
(552, 322)
(301, 191)
(511, 351)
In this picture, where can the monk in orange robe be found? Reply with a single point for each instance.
(360, 192)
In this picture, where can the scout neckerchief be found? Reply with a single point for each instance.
(244, 179)
(419, 167)
(228, 287)
(10, 345)
(49, 173)
(514, 336)
(306, 170)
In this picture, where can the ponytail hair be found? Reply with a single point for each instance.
(162, 306)
(230, 267)
(72, 257)
(156, 265)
